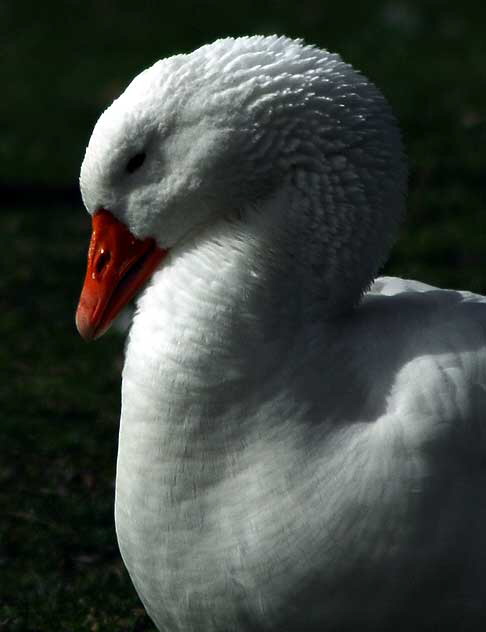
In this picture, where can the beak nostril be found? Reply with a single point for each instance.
(102, 261)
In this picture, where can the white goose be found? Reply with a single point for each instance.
(295, 453)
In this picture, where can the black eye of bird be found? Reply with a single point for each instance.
(135, 162)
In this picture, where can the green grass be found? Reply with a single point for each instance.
(59, 563)
(63, 62)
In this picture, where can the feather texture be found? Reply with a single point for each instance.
(296, 453)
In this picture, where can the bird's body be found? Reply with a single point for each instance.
(294, 455)
(336, 480)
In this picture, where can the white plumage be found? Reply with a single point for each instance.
(295, 453)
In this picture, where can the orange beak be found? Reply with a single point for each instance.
(118, 265)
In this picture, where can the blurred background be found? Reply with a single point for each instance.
(61, 64)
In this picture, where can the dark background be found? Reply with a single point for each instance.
(61, 64)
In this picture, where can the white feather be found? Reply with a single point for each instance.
(293, 455)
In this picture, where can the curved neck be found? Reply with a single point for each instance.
(217, 304)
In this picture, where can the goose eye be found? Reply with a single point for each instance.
(135, 162)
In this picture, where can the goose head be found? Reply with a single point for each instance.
(262, 128)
